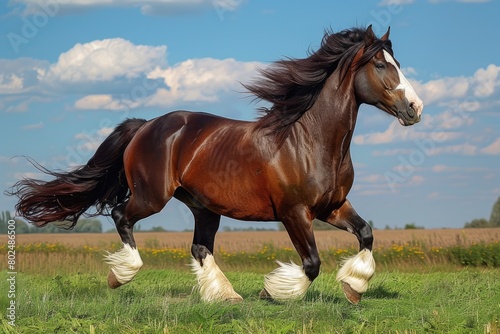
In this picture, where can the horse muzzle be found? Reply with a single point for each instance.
(410, 115)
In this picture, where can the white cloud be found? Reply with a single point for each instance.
(34, 126)
(10, 84)
(486, 81)
(461, 149)
(200, 80)
(408, 71)
(485, 171)
(191, 81)
(377, 184)
(446, 120)
(115, 74)
(90, 141)
(482, 84)
(396, 133)
(104, 61)
(392, 152)
(372, 178)
(493, 148)
(443, 168)
(20, 75)
(104, 102)
(440, 89)
(460, 107)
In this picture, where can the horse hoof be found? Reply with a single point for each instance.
(112, 281)
(352, 295)
(265, 295)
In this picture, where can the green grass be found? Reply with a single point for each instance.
(162, 301)
(418, 288)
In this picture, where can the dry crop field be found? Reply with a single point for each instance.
(252, 241)
(257, 251)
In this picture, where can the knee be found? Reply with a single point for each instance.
(311, 267)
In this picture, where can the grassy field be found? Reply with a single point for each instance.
(427, 281)
(161, 301)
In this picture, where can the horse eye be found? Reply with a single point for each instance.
(379, 66)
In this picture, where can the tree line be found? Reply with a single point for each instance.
(85, 225)
(494, 220)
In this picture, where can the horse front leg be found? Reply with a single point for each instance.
(290, 281)
(356, 271)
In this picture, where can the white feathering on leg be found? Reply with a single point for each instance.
(287, 282)
(357, 270)
(213, 284)
(124, 263)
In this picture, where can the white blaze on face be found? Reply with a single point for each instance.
(404, 85)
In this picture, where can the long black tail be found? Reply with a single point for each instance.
(100, 183)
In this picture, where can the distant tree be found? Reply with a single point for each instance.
(478, 223)
(88, 226)
(495, 214)
(4, 219)
(412, 226)
(84, 225)
(22, 227)
(158, 229)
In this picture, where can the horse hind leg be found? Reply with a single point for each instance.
(213, 285)
(126, 262)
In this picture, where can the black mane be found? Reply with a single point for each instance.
(293, 85)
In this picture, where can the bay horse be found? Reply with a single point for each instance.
(291, 165)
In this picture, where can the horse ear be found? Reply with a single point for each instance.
(370, 36)
(386, 36)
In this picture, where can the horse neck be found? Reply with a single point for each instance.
(332, 117)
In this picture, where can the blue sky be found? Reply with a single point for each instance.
(70, 72)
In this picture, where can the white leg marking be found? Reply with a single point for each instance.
(357, 270)
(213, 284)
(124, 263)
(287, 282)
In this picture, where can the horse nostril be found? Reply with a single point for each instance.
(411, 110)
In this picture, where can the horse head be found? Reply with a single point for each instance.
(380, 82)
